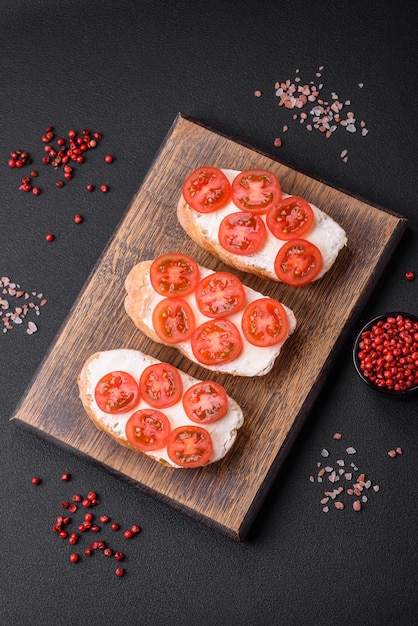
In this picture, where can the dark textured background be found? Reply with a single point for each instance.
(126, 69)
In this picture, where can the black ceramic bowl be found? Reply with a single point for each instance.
(371, 324)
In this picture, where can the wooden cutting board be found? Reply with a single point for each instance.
(226, 495)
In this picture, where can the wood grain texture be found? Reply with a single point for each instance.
(228, 494)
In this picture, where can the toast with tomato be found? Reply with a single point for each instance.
(246, 221)
(210, 317)
(156, 409)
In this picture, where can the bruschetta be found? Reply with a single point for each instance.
(210, 317)
(156, 409)
(248, 222)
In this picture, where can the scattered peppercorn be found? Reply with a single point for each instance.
(87, 525)
(409, 275)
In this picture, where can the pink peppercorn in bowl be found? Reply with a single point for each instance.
(385, 354)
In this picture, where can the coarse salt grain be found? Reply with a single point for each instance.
(15, 312)
(356, 486)
(326, 117)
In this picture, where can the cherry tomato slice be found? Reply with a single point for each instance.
(264, 322)
(174, 274)
(216, 342)
(206, 189)
(190, 446)
(255, 190)
(160, 385)
(220, 294)
(298, 262)
(116, 392)
(290, 218)
(173, 320)
(147, 429)
(205, 402)
(242, 233)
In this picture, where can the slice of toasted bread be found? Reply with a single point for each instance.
(141, 300)
(203, 228)
(223, 432)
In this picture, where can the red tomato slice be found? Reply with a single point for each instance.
(206, 189)
(242, 233)
(190, 446)
(220, 294)
(205, 402)
(216, 342)
(173, 320)
(290, 218)
(147, 429)
(255, 190)
(264, 322)
(160, 385)
(116, 392)
(174, 274)
(298, 262)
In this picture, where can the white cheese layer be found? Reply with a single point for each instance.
(326, 235)
(223, 432)
(253, 360)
